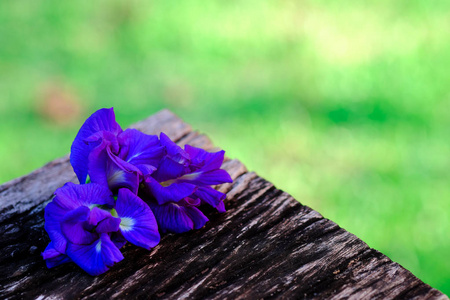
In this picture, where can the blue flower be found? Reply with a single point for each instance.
(181, 183)
(87, 226)
(138, 224)
(112, 157)
(89, 223)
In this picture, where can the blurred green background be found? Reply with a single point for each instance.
(343, 104)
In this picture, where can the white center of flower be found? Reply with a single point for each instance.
(126, 224)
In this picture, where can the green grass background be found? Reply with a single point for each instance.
(343, 104)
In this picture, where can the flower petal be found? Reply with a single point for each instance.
(102, 140)
(108, 170)
(173, 150)
(138, 148)
(97, 257)
(168, 169)
(207, 178)
(97, 215)
(138, 224)
(109, 224)
(146, 170)
(53, 257)
(221, 207)
(119, 178)
(72, 196)
(196, 216)
(53, 216)
(172, 193)
(203, 159)
(172, 217)
(101, 120)
(210, 196)
(118, 239)
(98, 165)
(73, 226)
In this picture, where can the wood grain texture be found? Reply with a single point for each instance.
(267, 245)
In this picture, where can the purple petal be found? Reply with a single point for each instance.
(101, 120)
(73, 226)
(172, 218)
(72, 196)
(138, 224)
(109, 224)
(196, 216)
(119, 178)
(102, 140)
(118, 239)
(97, 257)
(146, 170)
(173, 150)
(168, 169)
(94, 194)
(53, 216)
(210, 196)
(112, 172)
(110, 253)
(97, 215)
(172, 193)
(207, 178)
(175, 218)
(99, 160)
(221, 207)
(101, 156)
(138, 148)
(205, 160)
(53, 257)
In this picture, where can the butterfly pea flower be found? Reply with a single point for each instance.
(138, 224)
(112, 157)
(87, 226)
(181, 183)
(89, 223)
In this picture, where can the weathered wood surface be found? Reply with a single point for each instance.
(266, 245)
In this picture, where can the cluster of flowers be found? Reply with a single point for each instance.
(132, 187)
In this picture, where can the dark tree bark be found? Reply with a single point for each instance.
(266, 245)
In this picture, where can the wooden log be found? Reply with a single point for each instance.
(266, 245)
